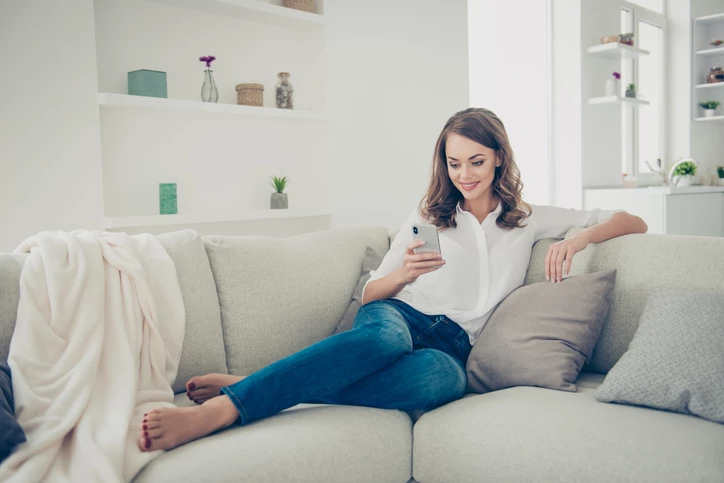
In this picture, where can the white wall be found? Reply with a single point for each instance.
(50, 155)
(397, 71)
(567, 104)
(508, 75)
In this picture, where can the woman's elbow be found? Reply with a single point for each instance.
(641, 225)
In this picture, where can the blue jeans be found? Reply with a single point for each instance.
(394, 357)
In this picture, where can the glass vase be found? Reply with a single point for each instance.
(284, 92)
(209, 92)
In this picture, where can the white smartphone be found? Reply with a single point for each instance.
(428, 234)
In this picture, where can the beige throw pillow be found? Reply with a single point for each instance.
(541, 334)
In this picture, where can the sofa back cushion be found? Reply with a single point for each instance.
(203, 346)
(10, 267)
(645, 264)
(280, 295)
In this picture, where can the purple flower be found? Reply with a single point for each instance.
(617, 75)
(208, 59)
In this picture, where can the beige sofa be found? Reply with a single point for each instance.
(253, 300)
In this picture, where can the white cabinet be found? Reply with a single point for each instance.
(696, 210)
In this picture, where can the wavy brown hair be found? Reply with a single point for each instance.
(484, 127)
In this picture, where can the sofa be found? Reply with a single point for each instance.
(253, 300)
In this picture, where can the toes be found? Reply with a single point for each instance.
(198, 392)
(150, 425)
(153, 433)
(153, 415)
(195, 383)
(144, 444)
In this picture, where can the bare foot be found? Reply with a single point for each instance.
(166, 428)
(202, 388)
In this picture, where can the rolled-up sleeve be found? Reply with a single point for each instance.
(554, 222)
(395, 256)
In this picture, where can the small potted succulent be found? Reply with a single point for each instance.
(612, 88)
(683, 173)
(709, 107)
(720, 172)
(631, 90)
(279, 200)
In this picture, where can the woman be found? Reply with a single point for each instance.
(422, 314)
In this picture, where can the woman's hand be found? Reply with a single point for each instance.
(562, 252)
(416, 264)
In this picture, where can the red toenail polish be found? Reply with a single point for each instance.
(145, 433)
(145, 427)
(148, 443)
(192, 386)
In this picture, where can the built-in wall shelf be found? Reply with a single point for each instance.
(704, 57)
(625, 101)
(712, 119)
(615, 50)
(710, 19)
(710, 52)
(254, 11)
(190, 219)
(109, 100)
(709, 86)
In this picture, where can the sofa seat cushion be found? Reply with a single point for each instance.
(313, 443)
(537, 434)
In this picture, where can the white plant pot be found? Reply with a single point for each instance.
(612, 87)
(709, 112)
(683, 181)
(721, 181)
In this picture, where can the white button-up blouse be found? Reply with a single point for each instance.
(484, 262)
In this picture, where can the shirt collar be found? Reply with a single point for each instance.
(496, 211)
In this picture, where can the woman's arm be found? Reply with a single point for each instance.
(620, 223)
(383, 288)
(413, 265)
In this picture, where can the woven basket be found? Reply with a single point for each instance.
(304, 5)
(250, 95)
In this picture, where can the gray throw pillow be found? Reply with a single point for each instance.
(371, 262)
(675, 360)
(541, 334)
(11, 434)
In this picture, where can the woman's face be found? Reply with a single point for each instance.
(470, 165)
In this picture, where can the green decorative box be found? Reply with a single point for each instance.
(167, 198)
(150, 83)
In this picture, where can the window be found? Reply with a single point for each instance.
(643, 128)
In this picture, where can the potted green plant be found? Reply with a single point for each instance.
(631, 90)
(709, 107)
(279, 199)
(683, 173)
(720, 172)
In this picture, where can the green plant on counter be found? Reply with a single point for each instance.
(710, 104)
(686, 168)
(720, 172)
(631, 87)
